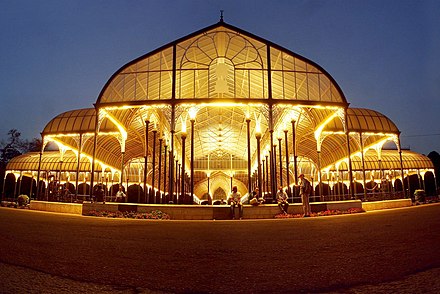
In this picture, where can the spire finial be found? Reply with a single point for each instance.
(221, 15)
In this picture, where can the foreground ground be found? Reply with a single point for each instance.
(382, 252)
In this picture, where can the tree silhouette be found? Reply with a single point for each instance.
(435, 158)
(14, 146)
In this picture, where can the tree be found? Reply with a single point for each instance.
(435, 158)
(14, 146)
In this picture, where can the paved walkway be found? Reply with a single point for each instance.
(384, 251)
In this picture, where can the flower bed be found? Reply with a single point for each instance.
(322, 213)
(155, 214)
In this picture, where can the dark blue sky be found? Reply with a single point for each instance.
(57, 55)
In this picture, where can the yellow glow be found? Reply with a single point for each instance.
(83, 155)
(183, 131)
(121, 107)
(192, 112)
(319, 129)
(258, 129)
(117, 124)
(248, 112)
(279, 136)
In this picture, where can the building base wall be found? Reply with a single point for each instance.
(72, 208)
(377, 205)
(210, 212)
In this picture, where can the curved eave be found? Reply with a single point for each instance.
(74, 122)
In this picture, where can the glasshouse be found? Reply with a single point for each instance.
(218, 108)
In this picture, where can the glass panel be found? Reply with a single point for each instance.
(335, 94)
(276, 58)
(201, 84)
(186, 84)
(129, 87)
(324, 84)
(166, 84)
(300, 65)
(153, 85)
(256, 77)
(141, 86)
(301, 86)
(313, 87)
(288, 62)
(277, 85)
(242, 84)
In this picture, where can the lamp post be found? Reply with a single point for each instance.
(274, 159)
(263, 183)
(209, 195)
(267, 172)
(160, 166)
(165, 156)
(287, 162)
(153, 176)
(295, 168)
(192, 120)
(177, 179)
(258, 137)
(182, 173)
(147, 122)
(280, 159)
(248, 137)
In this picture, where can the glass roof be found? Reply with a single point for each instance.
(76, 122)
(221, 61)
(49, 162)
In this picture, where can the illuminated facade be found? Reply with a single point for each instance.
(219, 108)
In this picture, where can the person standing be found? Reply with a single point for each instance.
(234, 200)
(282, 200)
(304, 191)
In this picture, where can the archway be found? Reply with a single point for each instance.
(219, 195)
(429, 184)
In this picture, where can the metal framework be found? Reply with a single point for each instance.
(231, 87)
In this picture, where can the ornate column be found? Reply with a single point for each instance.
(267, 173)
(147, 123)
(78, 165)
(275, 177)
(350, 168)
(171, 181)
(295, 157)
(272, 155)
(192, 120)
(363, 165)
(39, 169)
(160, 166)
(287, 162)
(264, 180)
(399, 147)
(258, 137)
(153, 169)
(248, 137)
(280, 160)
(165, 156)
(182, 173)
(98, 118)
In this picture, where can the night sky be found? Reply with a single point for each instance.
(57, 55)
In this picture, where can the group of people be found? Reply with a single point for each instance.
(305, 188)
